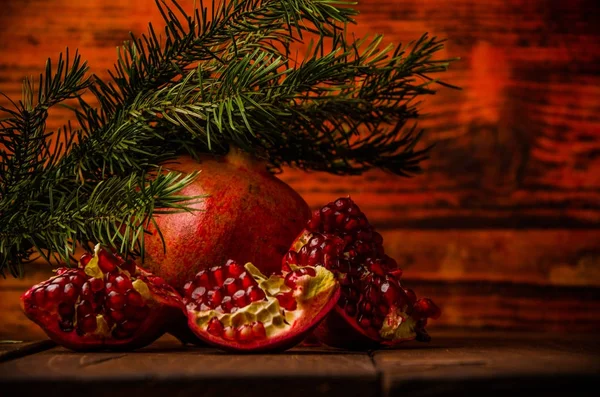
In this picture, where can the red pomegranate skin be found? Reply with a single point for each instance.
(248, 215)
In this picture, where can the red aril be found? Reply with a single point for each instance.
(374, 308)
(247, 215)
(102, 306)
(237, 308)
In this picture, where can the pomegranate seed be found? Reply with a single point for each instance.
(390, 291)
(65, 325)
(244, 333)
(85, 259)
(84, 308)
(397, 273)
(364, 235)
(383, 309)
(310, 271)
(364, 322)
(315, 257)
(70, 292)
(290, 258)
(77, 281)
(234, 269)
(239, 298)
(286, 301)
(215, 297)
(410, 294)
(217, 275)
(53, 292)
(198, 294)
(365, 307)
(229, 286)
(215, 327)
(377, 239)
(316, 240)
(66, 310)
(351, 225)
(258, 330)
(290, 278)
(203, 279)
(87, 324)
(115, 301)
(123, 283)
(426, 308)
(134, 299)
(340, 220)
(255, 294)
(315, 221)
(350, 309)
(187, 288)
(229, 333)
(107, 261)
(97, 284)
(227, 304)
(247, 280)
(117, 316)
(341, 204)
(377, 322)
(61, 281)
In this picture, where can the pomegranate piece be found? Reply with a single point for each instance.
(374, 308)
(102, 306)
(237, 308)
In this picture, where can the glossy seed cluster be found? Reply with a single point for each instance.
(342, 240)
(244, 333)
(80, 300)
(224, 289)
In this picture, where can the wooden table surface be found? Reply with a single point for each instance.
(454, 363)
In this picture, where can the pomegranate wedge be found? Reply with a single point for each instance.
(105, 304)
(237, 308)
(374, 309)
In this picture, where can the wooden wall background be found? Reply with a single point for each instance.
(503, 228)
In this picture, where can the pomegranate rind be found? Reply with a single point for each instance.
(165, 309)
(315, 296)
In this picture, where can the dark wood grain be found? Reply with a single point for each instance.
(492, 365)
(10, 350)
(454, 363)
(172, 369)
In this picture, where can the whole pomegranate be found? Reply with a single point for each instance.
(248, 215)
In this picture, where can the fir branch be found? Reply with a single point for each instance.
(210, 81)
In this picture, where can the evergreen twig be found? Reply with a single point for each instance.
(220, 77)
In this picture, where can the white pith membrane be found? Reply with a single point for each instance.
(398, 325)
(312, 293)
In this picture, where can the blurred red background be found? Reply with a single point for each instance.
(503, 228)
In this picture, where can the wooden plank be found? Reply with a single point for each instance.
(171, 369)
(11, 349)
(492, 365)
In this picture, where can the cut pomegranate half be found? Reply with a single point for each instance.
(374, 309)
(237, 308)
(105, 304)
